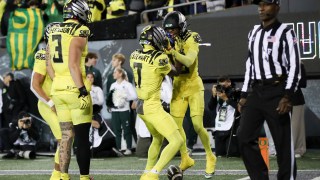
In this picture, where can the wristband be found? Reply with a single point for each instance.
(83, 91)
(50, 103)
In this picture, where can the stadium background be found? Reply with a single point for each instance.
(227, 32)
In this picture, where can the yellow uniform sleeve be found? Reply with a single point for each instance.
(162, 64)
(40, 62)
(82, 31)
(190, 47)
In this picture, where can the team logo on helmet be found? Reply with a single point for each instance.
(175, 19)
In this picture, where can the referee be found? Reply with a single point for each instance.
(273, 71)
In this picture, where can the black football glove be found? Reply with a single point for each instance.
(84, 98)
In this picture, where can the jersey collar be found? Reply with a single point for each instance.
(276, 24)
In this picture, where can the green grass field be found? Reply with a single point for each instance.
(131, 168)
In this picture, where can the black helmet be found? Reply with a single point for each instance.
(47, 30)
(154, 36)
(175, 19)
(77, 9)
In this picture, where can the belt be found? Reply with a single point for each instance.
(271, 81)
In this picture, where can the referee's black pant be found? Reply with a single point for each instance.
(261, 105)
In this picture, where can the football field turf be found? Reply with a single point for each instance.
(132, 167)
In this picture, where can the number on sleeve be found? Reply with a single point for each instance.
(57, 57)
(139, 67)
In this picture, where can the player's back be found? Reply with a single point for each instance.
(59, 42)
(149, 68)
(40, 67)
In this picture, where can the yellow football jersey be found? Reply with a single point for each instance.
(149, 68)
(189, 81)
(59, 45)
(40, 67)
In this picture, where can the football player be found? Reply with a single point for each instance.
(41, 86)
(67, 49)
(149, 66)
(188, 88)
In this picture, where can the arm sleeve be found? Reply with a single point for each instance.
(303, 80)
(294, 64)
(40, 68)
(247, 77)
(14, 131)
(162, 64)
(35, 92)
(100, 96)
(132, 95)
(192, 54)
(212, 104)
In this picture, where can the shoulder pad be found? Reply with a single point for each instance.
(80, 30)
(163, 60)
(196, 37)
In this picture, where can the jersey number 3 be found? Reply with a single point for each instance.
(57, 58)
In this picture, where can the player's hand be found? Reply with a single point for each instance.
(168, 48)
(170, 39)
(20, 124)
(84, 98)
(214, 90)
(241, 103)
(284, 106)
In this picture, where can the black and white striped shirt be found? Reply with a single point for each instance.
(273, 52)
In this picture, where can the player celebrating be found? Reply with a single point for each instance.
(41, 86)
(67, 46)
(188, 88)
(150, 66)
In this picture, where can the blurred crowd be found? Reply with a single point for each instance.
(120, 103)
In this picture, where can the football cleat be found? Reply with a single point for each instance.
(150, 176)
(210, 166)
(186, 162)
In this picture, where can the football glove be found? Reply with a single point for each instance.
(84, 98)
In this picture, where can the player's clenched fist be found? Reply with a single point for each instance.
(84, 98)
